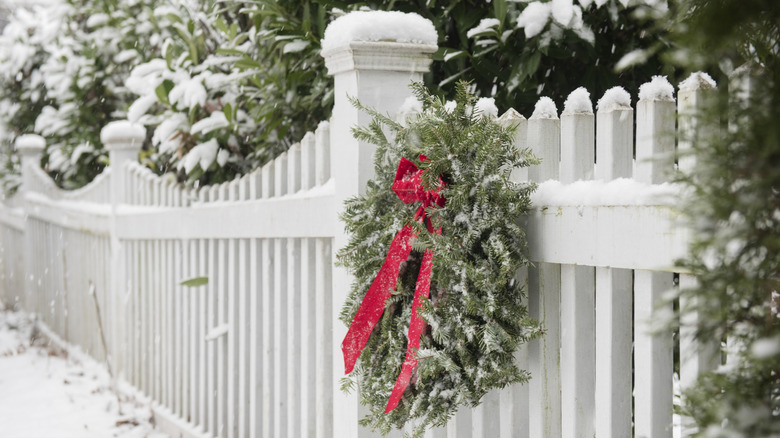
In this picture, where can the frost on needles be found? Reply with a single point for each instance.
(477, 315)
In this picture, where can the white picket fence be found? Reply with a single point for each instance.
(255, 351)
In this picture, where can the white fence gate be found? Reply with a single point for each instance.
(255, 351)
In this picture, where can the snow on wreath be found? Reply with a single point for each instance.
(445, 311)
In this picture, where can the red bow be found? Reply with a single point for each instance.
(408, 186)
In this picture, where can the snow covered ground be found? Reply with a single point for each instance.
(47, 393)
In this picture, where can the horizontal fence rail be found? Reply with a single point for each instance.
(219, 303)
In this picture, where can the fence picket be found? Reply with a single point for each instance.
(484, 422)
(323, 336)
(213, 351)
(232, 339)
(180, 344)
(322, 154)
(243, 330)
(294, 168)
(613, 387)
(145, 322)
(308, 161)
(223, 322)
(204, 352)
(293, 317)
(544, 139)
(511, 118)
(697, 355)
(654, 140)
(170, 321)
(613, 353)
(280, 309)
(460, 425)
(184, 308)
(268, 318)
(256, 346)
(652, 358)
(192, 327)
(280, 350)
(544, 288)
(307, 333)
(268, 314)
(577, 289)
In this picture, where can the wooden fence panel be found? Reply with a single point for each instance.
(251, 351)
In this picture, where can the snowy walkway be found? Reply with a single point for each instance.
(45, 394)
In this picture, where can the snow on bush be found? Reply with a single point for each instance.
(193, 98)
(63, 68)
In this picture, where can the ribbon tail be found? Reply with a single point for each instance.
(373, 304)
(416, 325)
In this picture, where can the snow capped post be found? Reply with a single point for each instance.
(655, 131)
(577, 137)
(615, 135)
(655, 116)
(123, 141)
(578, 355)
(695, 94)
(373, 57)
(544, 139)
(30, 148)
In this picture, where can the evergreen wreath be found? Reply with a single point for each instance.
(476, 316)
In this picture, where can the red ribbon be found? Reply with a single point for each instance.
(408, 186)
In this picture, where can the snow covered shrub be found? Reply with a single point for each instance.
(192, 96)
(234, 87)
(84, 79)
(67, 72)
(23, 50)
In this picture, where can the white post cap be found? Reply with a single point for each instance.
(30, 145)
(122, 134)
(379, 40)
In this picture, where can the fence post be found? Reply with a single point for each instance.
(377, 73)
(123, 141)
(30, 148)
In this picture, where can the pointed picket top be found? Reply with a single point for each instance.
(514, 120)
(697, 81)
(510, 117)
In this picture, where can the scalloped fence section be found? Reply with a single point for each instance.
(220, 303)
